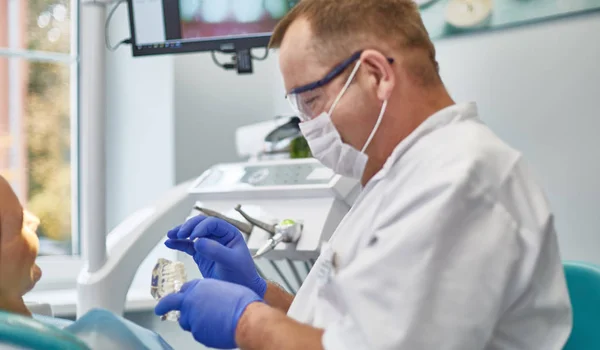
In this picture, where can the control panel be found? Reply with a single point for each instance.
(287, 207)
(288, 173)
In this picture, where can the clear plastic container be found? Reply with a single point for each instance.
(167, 277)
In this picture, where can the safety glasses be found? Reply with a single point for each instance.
(309, 100)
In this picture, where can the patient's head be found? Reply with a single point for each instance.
(18, 249)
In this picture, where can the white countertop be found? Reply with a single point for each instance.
(63, 301)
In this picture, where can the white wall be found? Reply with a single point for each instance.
(140, 148)
(211, 103)
(538, 87)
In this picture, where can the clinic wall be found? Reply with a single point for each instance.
(210, 104)
(139, 120)
(538, 87)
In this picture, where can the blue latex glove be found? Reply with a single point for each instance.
(210, 310)
(219, 251)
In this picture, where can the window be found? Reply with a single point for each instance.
(38, 119)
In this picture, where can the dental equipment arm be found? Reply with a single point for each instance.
(128, 245)
(315, 195)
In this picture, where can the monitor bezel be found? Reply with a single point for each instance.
(229, 44)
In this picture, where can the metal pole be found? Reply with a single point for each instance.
(75, 134)
(92, 137)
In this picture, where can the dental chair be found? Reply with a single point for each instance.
(19, 332)
(98, 329)
(583, 282)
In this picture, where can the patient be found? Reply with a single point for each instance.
(18, 250)
(19, 244)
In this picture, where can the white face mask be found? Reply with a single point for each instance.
(326, 143)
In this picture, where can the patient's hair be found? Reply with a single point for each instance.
(341, 27)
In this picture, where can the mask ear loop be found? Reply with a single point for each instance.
(341, 94)
(379, 119)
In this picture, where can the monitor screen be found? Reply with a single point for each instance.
(178, 26)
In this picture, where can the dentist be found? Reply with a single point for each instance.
(451, 244)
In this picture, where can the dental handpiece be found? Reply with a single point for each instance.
(267, 227)
(287, 231)
(242, 226)
(269, 246)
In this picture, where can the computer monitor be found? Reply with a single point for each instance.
(181, 26)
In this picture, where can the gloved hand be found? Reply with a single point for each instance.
(219, 251)
(210, 310)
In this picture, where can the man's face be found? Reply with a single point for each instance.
(301, 64)
(19, 246)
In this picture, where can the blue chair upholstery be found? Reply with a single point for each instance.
(583, 282)
(53, 321)
(27, 333)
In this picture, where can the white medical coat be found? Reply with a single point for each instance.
(450, 246)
